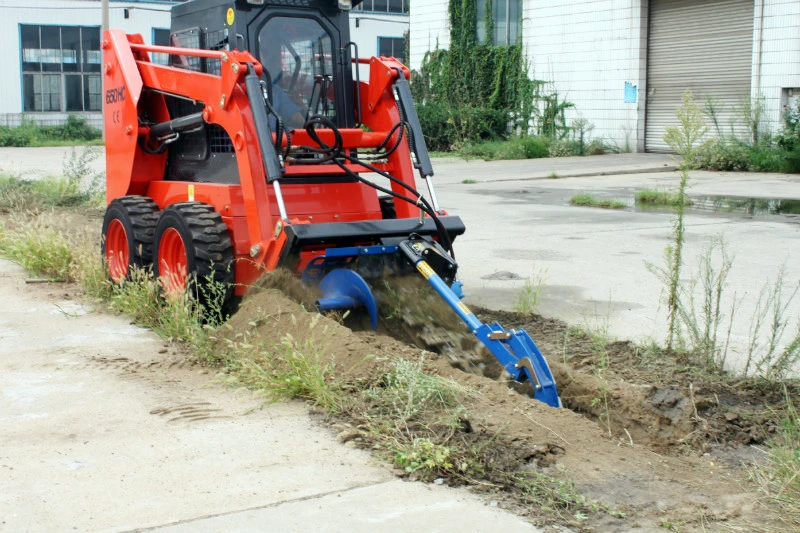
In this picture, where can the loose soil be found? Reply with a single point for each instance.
(649, 441)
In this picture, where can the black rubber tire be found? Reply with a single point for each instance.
(208, 247)
(138, 216)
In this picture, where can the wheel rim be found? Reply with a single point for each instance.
(172, 261)
(117, 252)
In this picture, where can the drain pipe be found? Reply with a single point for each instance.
(760, 44)
(759, 54)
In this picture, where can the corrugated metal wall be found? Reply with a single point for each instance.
(705, 46)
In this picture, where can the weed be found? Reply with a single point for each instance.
(683, 139)
(780, 477)
(553, 176)
(88, 268)
(769, 360)
(702, 320)
(627, 132)
(581, 130)
(38, 244)
(752, 111)
(423, 455)
(712, 108)
(469, 181)
(587, 199)
(74, 131)
(563, 148)
(84, 182)
(700, 327)
(290, 369)
(408, 391)
(17, 194)
(530, 296)
(558, 496)
(658, 197)
(599, 338)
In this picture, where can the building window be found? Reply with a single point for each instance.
(392, 47)
(60, 68)
(160, 38)
(506, 21)
(383, 6)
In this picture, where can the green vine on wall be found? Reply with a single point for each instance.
(482, 90)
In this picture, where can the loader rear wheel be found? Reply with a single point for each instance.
(128, 228)
(194, 253)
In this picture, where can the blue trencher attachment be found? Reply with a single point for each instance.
(346, 289)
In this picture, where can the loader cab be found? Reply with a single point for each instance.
(302, 44)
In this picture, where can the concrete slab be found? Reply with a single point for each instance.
(456, 170)
(364, 510)
(34, 163)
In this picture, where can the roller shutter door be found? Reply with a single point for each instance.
(702, 45)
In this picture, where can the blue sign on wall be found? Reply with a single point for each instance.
(630, 93)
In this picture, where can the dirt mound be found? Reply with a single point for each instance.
(609, 444)
(650, 399)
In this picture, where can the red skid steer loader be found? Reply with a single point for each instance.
(251, 143)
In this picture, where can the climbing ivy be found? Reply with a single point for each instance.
(478, 90)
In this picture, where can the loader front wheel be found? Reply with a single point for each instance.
(194, 253)
(128, 228)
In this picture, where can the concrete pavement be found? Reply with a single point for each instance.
(594, 261)
(32, 163)
(103, 429)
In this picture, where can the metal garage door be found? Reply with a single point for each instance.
(702, 45)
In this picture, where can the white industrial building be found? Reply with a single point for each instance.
(626, 63)
(51, 60)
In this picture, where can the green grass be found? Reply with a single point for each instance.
(513, 148)
(587, 199)
(18, 194)
(658, 197)
(75, 131)
(38, 245)
(290, 369)
(469, 181)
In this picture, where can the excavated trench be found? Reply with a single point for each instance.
(657, 403)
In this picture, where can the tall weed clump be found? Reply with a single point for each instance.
(696, 314)
(38, 244)
(684, 140)
(766, 353)
(748, 145)
(779, 477)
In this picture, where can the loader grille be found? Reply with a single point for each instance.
(219, 142)
(215, 40)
